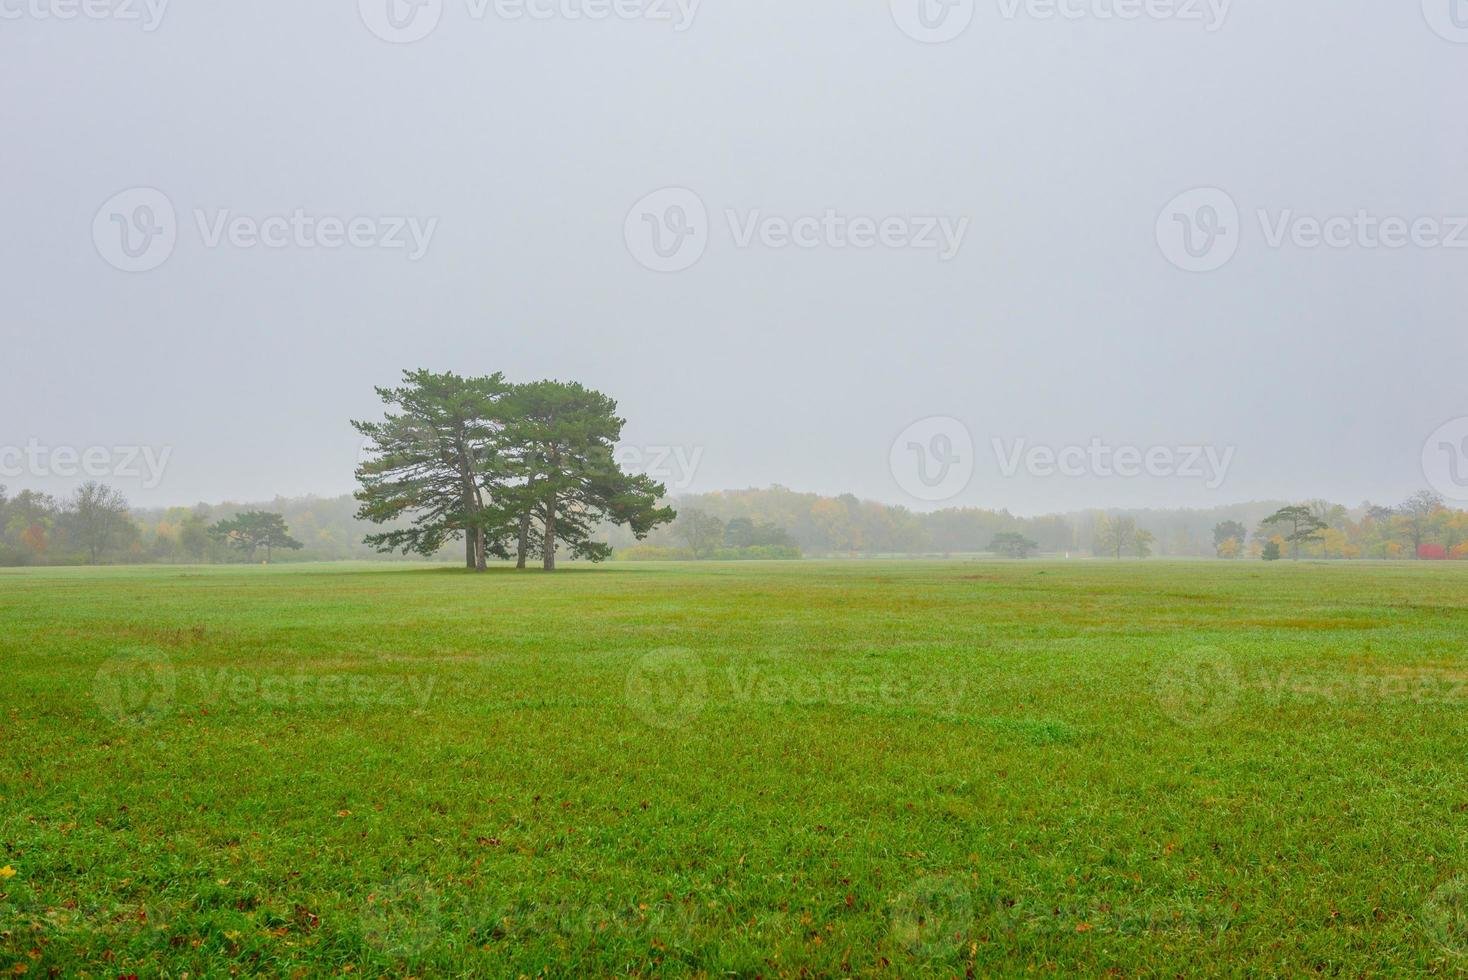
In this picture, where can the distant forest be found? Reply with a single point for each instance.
(36, 529)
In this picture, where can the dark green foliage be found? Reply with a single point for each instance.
(702, 532)
(437, 460)
(1228, 531)
(561, 437)
(1301, 523)
(1013, 545)
(249, 532)
(494, 464)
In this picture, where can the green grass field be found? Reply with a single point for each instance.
(798, 769)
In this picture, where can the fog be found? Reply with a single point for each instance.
(1223, 244)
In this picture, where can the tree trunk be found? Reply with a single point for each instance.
(480, 562)
(524, 540)
(550, 536)
(469, 561)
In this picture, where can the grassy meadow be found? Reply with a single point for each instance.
(786, 769)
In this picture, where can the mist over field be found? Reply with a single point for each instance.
(733, 488)
(882, 230)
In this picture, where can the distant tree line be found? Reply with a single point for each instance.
(845, 526)
(89, 527)
(1421, 527)
(95, 524)
(703, 536)
(818, 526)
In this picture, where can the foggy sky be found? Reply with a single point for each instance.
(1059, 321)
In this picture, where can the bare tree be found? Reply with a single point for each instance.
(701, 531)
(97, 515)
(1117, 535)
(1416, 517)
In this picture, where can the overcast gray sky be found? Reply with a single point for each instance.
(999, 237)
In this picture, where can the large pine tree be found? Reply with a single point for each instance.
(525, 466)
(561, 437)
(436, 460)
